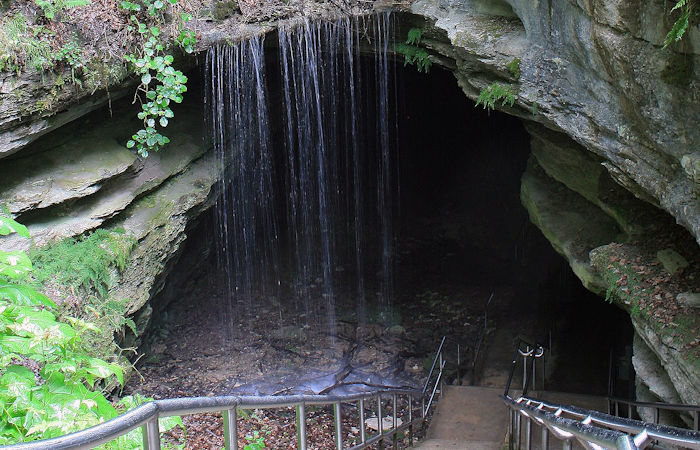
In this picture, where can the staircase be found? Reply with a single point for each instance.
(485, 418)
(475, 418)
(468, 417)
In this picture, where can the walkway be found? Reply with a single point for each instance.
(468, 417)
(475, 418)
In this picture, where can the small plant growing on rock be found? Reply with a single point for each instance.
(53, 7)
(514, 68)
(161, 84)
(494, 93)
(688, 15)
(414, 54)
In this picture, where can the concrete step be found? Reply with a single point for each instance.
(475, 418)
(468, 417)
(435, 444)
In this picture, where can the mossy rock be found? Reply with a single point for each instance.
(222, 10)
(678, 71)
(671, 260)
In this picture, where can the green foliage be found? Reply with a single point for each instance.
(26, 45)
(414, 36)
(161, 84)
(255, 441)
(687, 14)
(53, 7)
(514, 68)
(48, 381)
(414, 54)
(72, 55)
(84, 263)
(494, 93)
(21, 45)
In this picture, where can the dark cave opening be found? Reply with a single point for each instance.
(461, 234)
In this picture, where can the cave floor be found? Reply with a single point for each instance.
(442, 288)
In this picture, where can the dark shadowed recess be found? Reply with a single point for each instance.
(460, 235)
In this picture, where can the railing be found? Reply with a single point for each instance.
(437, 371)
(592, 429)
(146, 416)
(632, 405)
(530, 353)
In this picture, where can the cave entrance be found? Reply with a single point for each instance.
(466, 262)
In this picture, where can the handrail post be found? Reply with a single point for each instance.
(545, 438)
(301, 427)
(230, 429)
(440, 381)
(363, 432)
(527, 350)
(511, 427)
(380, 427)
(459, 382)
(410, 420)
(395, 436)
(528, 433)
(544, 373)
(151, 435)
(338, 415)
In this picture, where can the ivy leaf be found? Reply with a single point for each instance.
(146, 78)
(163, 122)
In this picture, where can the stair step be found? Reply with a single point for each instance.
(468, 417)
(435, 444)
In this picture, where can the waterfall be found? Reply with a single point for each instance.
(306, 202)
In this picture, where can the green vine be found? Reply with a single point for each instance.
(161, 84)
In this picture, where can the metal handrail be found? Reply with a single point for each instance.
(562, 427)
(146, 416)
(614, 409)
(439, 363)
(570, 422)
(531, 352)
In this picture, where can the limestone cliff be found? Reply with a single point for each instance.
(613, 118)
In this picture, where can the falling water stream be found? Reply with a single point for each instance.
(301, 217)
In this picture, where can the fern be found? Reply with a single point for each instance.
(415, 55)
(52, 7)
(86, 262)
(680, 26)
(494, 93)
(414, 36)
